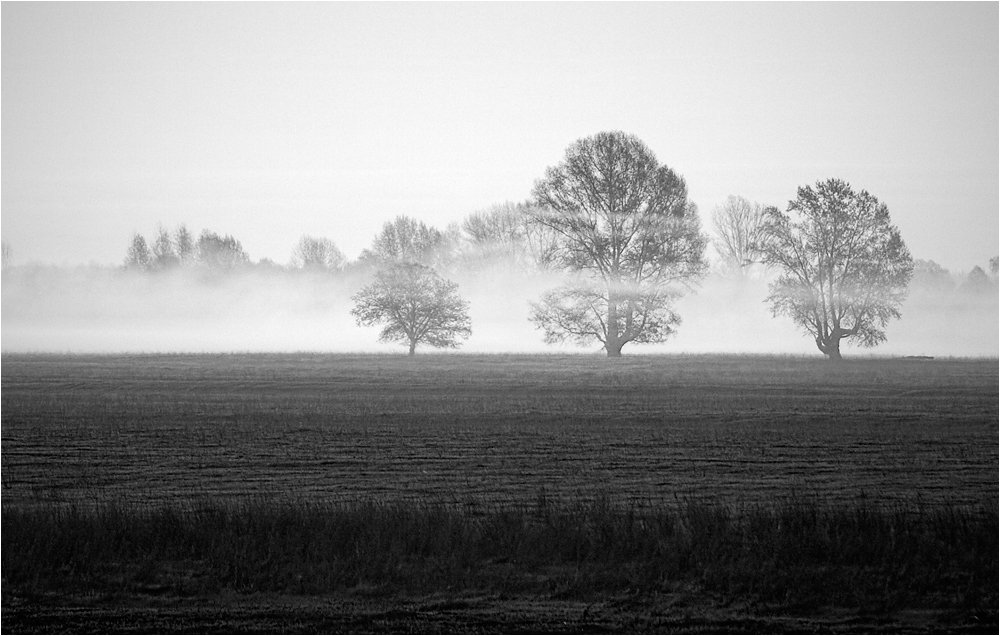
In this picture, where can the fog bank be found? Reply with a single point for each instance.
(102, 310)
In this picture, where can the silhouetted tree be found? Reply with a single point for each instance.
(739, 233)
(624, 226)
(405, 240)
(844, 267)
(317, 254)
(415, 305)
(220, 253)
(138, 256)
(995, 266)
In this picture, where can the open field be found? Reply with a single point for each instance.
(498, 493)
(495, 428)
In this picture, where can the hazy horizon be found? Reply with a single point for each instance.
(192, 311)
(269, 121)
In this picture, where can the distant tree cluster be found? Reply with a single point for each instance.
(501, 235)
(933, 281)
(211, 251)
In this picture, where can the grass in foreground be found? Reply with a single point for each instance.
(801, 559)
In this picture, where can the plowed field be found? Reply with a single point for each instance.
(475, 429)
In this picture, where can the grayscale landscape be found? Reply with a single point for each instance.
(500, 318)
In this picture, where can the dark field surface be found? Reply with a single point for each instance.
(498, 494)
(474, 429)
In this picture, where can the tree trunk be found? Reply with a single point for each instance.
(612, 340)
(413, 347)
(830, 347)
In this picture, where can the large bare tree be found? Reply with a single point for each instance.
(626, 230)
(844, 267)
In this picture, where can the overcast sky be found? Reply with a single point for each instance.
(270, 121)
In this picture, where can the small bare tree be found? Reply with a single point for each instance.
(138, 256)
(740, 233)
(977, 282)
(164, 256)
(415, 305)
(184, 243)
(220, 253)
(317, 254)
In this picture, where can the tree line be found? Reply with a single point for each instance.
(502, 235)
(620, 227)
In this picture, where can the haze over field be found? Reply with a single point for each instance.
(94, 311)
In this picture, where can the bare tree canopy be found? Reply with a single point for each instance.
(319, 254)
(624, 226)
(416, 306)
(407, 240)
(844, 267)
(220, 252)
(502, 224)
(739, 233)
(505, 232)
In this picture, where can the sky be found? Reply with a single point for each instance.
(269, 121)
